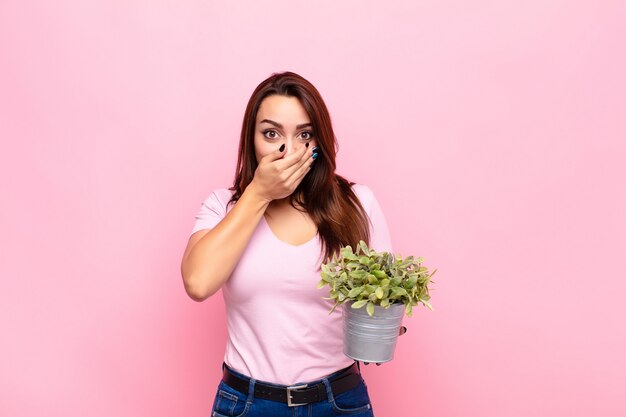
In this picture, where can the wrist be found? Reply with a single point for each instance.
(253, 191)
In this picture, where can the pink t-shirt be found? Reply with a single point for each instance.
(279, 329)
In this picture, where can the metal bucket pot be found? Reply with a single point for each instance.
(371, 339)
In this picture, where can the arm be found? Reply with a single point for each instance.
(211, 254)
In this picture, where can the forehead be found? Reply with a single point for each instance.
(282, 109)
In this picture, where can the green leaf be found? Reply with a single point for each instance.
(359, 304)
(355, 291)
(372, 279)
(411, 282)
(347, 253)
(360, 274)
(321, 284)
(370, 308)
(353, 265)
(364, 248)
(408, 309)
(386, 292)
(380, 292)
(369, 289)
(333, 309)
(398, 292)
(379, 274)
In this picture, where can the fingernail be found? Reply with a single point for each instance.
(313, 148)
(307, 145)
(314, 156)
(282, 147)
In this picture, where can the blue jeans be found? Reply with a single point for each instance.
(232, 403)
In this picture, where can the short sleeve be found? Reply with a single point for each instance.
(380, 240)
(212, 210)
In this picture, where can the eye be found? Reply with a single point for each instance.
(270, 134)
(307, 135)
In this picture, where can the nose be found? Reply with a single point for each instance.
(292, 145)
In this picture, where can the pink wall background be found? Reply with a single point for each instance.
(493, 134)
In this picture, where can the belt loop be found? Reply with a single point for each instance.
(329, 391)
(251, 384)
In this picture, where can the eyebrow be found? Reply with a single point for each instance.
(281, 126)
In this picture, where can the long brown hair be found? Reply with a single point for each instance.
(327, 197)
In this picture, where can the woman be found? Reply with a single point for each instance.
(262, 241)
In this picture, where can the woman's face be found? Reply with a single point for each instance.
(281, 120)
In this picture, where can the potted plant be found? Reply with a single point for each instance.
(375, 289)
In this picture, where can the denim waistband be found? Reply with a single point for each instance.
(329, 377)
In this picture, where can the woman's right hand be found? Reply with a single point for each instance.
(277, 177)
